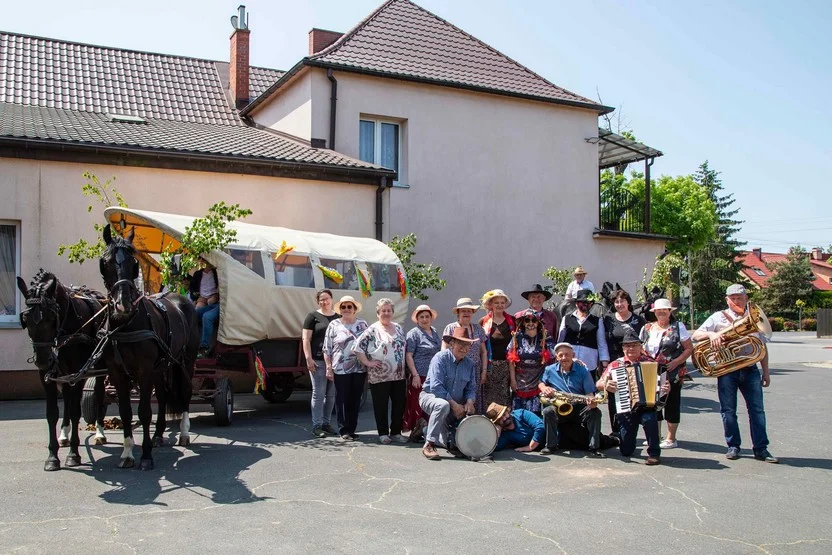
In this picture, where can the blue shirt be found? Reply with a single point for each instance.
(577, 380)
(449, 379)
(423, 347)
(527, 427)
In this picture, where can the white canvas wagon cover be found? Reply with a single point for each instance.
(264, 298)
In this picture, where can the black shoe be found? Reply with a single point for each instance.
(329, 430)
(733, 453)
(354, 436)
(203, 353)
(595, 454)
(765, 456)
(456, 452)
(548, 450)
(317, 431)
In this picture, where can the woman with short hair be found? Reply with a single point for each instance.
(381, 348)
(616, 326)
(312, 338)
(422, 343)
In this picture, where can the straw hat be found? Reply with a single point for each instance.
(347, 299)
(495, 412)
(459, 334)
(423, 308)
(493, 294)
(579, 271)
(465, 302)
(662, 303)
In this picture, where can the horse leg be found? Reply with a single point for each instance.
(101, 410)
(161, 409)
(125, 411)
(73, 393)
(52, 461)
(63, 439)
(184, 430)
(145, 417)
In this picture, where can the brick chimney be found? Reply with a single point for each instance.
(817, 253)
(238, 68)
(320, 39)
(758, 252)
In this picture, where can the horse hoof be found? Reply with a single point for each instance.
(52, 465)
(158, 441)
(126, 463)
(100, 441)
(184, 441)
(63, 442)
(146, 464)
(72, 460)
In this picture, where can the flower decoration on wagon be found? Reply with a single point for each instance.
(331, 274)
(404, 285)
(363, 283)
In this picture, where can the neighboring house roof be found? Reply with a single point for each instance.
(758, 269)
(404, 41)
(56, 92)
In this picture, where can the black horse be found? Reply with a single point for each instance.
(62, 324)
(152, 342)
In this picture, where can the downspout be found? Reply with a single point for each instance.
(379, 212)
(333, 106)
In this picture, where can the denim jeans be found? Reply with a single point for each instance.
(749, 382)
(208, 316)
(323, 395)
(628, 431)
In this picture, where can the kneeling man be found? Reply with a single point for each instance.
(448, 392)
(521, 429)
(571, 376)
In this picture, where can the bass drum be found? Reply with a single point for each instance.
(476, 437)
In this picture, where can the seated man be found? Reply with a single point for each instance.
(571, 376)
(519, 428)
(646, 416)
(448, 392)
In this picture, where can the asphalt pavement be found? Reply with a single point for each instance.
(265, 485)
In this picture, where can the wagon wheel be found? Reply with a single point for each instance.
(224, 402)
(88, 408)
(279, 387)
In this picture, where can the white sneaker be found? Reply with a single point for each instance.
(398, 438)
(385, 440)
(667, 444)
(645, 443)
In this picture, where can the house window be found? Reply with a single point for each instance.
(379, 142)
(9, 270)
(759, 272)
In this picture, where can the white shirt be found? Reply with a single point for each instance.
(718, 322)
(207, 284)
(655, 334)
(574, 287)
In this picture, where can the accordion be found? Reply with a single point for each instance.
(637, 385)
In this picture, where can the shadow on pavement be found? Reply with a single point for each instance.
(693, 405)
(823, 464)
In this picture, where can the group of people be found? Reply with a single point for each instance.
(513, 368)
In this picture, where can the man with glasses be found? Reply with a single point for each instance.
(448, 393)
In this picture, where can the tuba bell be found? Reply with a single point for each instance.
(740, 347)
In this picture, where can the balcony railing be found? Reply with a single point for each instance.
(622, 211)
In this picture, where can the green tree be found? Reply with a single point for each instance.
(102, 193)
(789, 282)
(420, 277)
(560, 280)
(715, 266)
(682, 209)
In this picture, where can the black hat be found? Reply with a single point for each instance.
(583, 295)
(536, 289)
(630, 336)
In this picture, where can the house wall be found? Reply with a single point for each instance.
(822, 272)
(292, 114)
(499, 188)
(46, 198)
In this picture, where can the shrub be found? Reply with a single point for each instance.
(776, 323)
(790, 325)
(810, 324)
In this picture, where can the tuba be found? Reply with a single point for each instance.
(740, 347)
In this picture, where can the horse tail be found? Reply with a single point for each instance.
(180, 385)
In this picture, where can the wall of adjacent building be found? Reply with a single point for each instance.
(45, 197)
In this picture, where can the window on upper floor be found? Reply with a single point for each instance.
(9, 270)
(759, 272)
(380, 142)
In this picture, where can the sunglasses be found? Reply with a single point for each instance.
(347, 307)
(529, 321)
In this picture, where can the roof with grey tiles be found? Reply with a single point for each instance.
(63, 92)
(402, 40)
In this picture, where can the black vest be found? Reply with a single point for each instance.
(585, 335)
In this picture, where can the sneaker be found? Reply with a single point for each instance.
(595, 454)
(765, 456)
(453, 450)
(429, 451)
(653, 461)
(385, 440)
(329, 429)
(354, 436)
(317, 431)
(668, 444)
(398, 438)
(346, 437)
(733, 453)
(548, 450)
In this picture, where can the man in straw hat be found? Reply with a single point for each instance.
(521, 429)
(536, 296)
(628, 422)
(578, 283)
(449, 392)
(750, 381)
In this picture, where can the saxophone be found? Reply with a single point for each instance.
(563, 402)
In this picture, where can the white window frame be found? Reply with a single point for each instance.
(377, 141)
(13, 320)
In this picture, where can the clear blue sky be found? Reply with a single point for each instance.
(742, 84)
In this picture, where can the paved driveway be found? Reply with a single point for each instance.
(264, 485)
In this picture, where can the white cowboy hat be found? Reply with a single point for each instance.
(423, 308)
(662, 303)
(465, 302)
